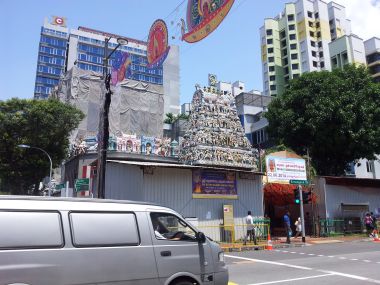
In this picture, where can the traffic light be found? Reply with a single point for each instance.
(306, 197)
(296, 196)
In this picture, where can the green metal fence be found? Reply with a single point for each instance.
(346, 226)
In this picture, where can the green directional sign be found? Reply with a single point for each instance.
(82, 184)
(59, 186)
(299, 182)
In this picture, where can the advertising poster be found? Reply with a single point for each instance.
(281, 170)
(214, 184)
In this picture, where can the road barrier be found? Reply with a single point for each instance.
(346, 226)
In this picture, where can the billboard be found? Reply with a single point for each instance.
(281, 169)
(214, 184)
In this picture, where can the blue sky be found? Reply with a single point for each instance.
(232, 52)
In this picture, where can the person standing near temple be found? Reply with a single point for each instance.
(287, 228)
(250, 229)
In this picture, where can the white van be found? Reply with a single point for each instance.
(51, 241)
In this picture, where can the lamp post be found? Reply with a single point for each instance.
(51, 163)
(104, 119)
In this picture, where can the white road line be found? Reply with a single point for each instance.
(378, 262)
(302, 253)
(320, 255)
(351, 276)
(342, 257)
(269, 262)
(294, 279)
(311, 254)
(285, 251)
(354, 259)
(357, 277)
(331, 256)
(366, 260)
(293, 252)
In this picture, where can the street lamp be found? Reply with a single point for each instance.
(104, 119)
(51, 163)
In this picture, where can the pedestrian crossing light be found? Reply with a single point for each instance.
(296, 196)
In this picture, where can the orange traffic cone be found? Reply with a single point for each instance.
(269, 244)
(376, 236)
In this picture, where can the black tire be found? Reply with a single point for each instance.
(184, 282)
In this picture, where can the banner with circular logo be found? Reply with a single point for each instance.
(157, 48)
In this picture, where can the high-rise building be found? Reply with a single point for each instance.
(61, 49)
(347, 49)
(372, 51)
(297, 41)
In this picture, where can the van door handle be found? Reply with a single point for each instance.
(166, 253)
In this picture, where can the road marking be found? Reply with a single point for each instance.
(269, 262)
(311, 254)
(293, 252)
(302, 253)
(357, 277)
(342, 257)
(354, 259)
(294, 279)
(232, 283)
(285, 251)
(320, 255)
(331, 256)
(366, 260)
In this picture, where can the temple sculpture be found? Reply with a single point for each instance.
(215, 135)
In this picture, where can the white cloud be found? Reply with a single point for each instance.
(364, 16)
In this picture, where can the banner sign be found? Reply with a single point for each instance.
(214, 184)
(281, 169)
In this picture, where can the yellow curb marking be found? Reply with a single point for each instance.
(232, 283)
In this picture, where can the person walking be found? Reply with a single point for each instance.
(368, 224)
(250, 229)
(288, 230)
(298, 225)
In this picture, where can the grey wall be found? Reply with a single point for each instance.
(172, 187)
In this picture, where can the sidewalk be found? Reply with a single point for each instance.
(280, 242)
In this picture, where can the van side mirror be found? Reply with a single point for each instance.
(201, 238)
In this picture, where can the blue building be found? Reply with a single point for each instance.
(61, 49)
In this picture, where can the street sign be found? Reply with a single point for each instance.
(82, 184)
(299, 182)
(59, 186)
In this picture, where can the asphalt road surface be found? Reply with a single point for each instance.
(338, 263)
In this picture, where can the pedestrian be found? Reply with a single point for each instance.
(288, 230)
(298, 225)
(374, 221)
(368, 224)
(250, 229)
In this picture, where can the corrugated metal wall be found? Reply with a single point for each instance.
(335, 195)
(172, 187)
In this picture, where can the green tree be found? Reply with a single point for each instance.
(41, 123)
(170, 118)
(335, 115)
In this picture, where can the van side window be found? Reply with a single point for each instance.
(170, 227)
(103, 229)
(30, 229)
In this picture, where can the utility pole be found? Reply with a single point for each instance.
(302, 215)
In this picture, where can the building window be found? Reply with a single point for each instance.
(269, 32)
(309, 14)
(315, 64)
(282, 34)
(291, 17)
(312, 43)
(285, 52)
(292, 36)
(319, 44)
(283, 43)
(334, 61)
(272, 78)
(286, 70)
(273, 87)
(294, 66)
(296, 75)
(332, 31)
(285, 61)
(292, 27)
(317, 24)
(310, 24)
(344, 55)
(269, 41)
(321, 54)
(322, 64)
(286, 78)
(271, 68)
(331, 22)
(316, 15)
(270, 50)
(293, 46)
(271, 59)
(311, 34)
(294, 56)
(313, 53)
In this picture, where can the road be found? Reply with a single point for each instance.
(338, 263)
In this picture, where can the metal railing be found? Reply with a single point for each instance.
(236, 233)
(346, 226)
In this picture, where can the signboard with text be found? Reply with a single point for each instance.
(82, 184)
(214, 184)
(281, 169)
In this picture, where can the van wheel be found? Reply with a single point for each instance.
(185, 282)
